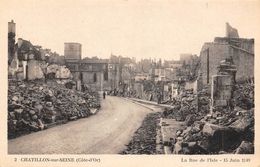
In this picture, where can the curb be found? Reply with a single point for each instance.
(139, 103)
(151, 103)
(145, 105)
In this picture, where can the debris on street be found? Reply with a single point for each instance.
(34, 106)
(223, 131)
(144, 139)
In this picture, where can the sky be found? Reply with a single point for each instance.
(140, 29)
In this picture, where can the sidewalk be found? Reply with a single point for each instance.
(149, 102)
(168, 127)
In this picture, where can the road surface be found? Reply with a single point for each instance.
(107, 132)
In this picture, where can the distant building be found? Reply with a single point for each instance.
(72, 51)
(173, 64)
(88, 72)
(186, 58)
(144, 65)
(241, 50)
(72, 55)
(159, 74)
(114, 74)
(121, 72)
(128, 75)
(94, 73)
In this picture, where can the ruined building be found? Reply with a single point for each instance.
(30, 62)
(11, 41)
(241, 50)
(27, 62)
(121, 72)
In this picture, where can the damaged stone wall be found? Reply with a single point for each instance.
(221, 90)
(241, 50)
(244, 62)
(231, 32)
(210, 56)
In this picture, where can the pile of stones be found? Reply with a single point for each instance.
(34, 106)
(244, 95)
(188, 106)
(234, 134)
(224, 130)
(144, 139)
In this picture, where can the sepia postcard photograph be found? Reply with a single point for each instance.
(129, 83)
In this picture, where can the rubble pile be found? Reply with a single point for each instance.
(34, 106)
(221, 132)
(189, 107)
(225, 130)
(204, 101)
(144, 139)
(57, 71)
(244, 95)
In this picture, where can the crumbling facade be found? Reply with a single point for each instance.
(241, 50)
